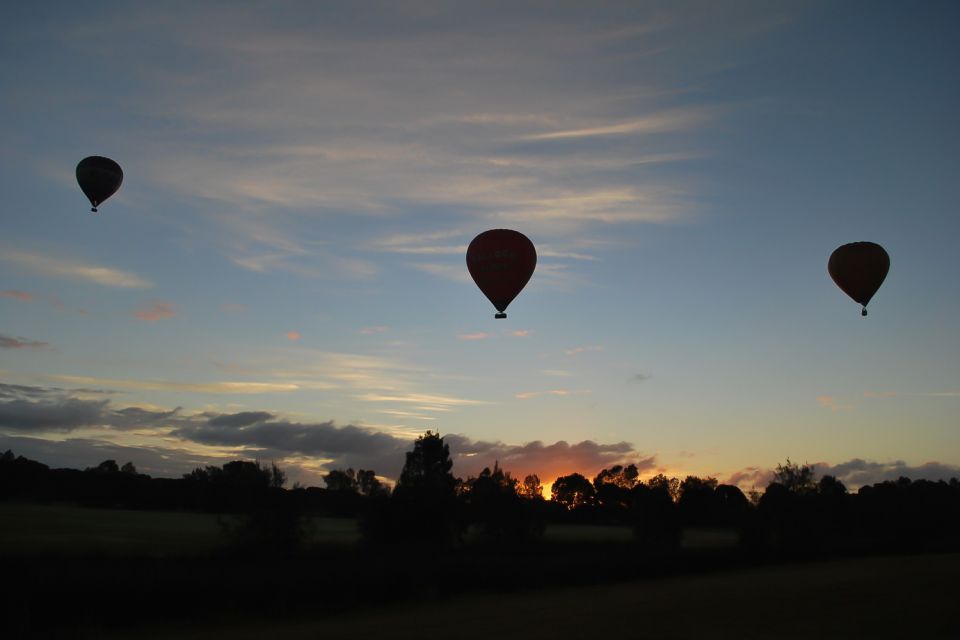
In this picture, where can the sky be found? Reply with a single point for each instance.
(281, 275)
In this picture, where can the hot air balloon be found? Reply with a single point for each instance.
(501, 262)
(99, 179)
(859, 268)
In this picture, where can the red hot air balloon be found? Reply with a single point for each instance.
(501, 262)
(99, 179)
(859, 268)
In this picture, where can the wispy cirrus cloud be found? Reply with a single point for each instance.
(293, 336)
(829, 402)
(231, 387)
(478, 335)
(368, 331)
(155, 311)
(663, 122)
(58, 268)
(585, 349)
(10, 342)
(22, 296)
(447, 271)
(551, 392)
(429, 402)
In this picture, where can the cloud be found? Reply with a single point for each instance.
(293, 336)
(520, 333)
(674, 120)
(239, 387)
(480, 335)
(22, 296)
(858, 472)
(828, 402)
(341, 446)
(426, 400)
(372, 330)
(578, 350)
(80, 453)
(242, 419)
(640, 377)
(9, 342)
(558, 373)
(57, 268)
(750, 478)
(552, 392)
(54, 410)
(546, 460)
(157, 310)
(454, 273)
(854, 473)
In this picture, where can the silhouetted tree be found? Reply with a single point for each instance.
(695, 500)
(729, 506)
(368, 484)
(530, 488)
(107, 466)
(654, 515)
(613, 488)
(660, 482)
(796, 478)
(128, 468)
(423, 506)
(426, 471)
(495, 507)
(619, 476)
(572, 491)
(337, 480)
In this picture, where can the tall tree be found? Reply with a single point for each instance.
(796, 478)
(423, 506)
(572, 491)
(426, 471)
(530, 488)
(338, 480)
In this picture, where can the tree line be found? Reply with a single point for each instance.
(796, 512)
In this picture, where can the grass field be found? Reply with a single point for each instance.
(879, 597)
(63, 529)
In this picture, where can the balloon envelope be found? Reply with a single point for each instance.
(859, 268)
(501, 262)
(99, 178)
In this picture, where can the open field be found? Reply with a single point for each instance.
(64, 529)
(156, 568)
(879, 597)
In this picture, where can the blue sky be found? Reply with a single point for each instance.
(302, 179)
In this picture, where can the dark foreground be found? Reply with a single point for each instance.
(877, 597)
(69, 572)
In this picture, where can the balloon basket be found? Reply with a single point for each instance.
(500, 316)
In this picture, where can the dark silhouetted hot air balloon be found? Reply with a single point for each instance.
(859, 268)
(99, 178)
(501, 262)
